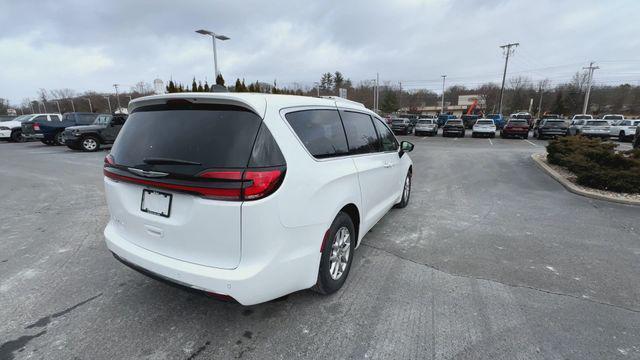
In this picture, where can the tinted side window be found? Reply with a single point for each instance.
(40, 118)
(266, 151)
(361, 135)
(86, 119)
(320, 131)
(387, 139)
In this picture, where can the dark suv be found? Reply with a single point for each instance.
(453, 127)
(401, 126)
(49, 131)
(550, 128)
(104, 130)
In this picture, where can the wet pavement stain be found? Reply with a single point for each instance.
(44, 321)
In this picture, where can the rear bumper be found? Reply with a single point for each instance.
(484, 131)
(285, 270)
(34, 136)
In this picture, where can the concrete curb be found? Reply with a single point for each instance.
(575, 189)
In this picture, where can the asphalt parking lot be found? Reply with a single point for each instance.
(492, 259)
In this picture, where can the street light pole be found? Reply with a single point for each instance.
(72, 106)
(444, 77)
(58, 104)
(214, 36)
(90, 107)
(317, 84)
(504, 75)
(591, 69)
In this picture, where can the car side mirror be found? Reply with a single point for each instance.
(405, 146)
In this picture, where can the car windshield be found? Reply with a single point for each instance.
(554, 122)
(21, 118)
(425, 122)
(522, 116)
(484, 122)
(454, 122)
(614, 117)
(398, 121)
(597, 123)
(517, 122)
(582, 117)
(551, 117)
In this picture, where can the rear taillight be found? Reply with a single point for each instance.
(262, 184)
(36, 126)
(109, 159)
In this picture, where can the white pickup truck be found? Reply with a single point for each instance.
(613, 118)
(625, 130)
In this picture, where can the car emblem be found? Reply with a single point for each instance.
(145, 173)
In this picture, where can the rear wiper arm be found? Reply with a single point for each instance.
(168, 161)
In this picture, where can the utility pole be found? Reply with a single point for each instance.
(90, 107)
(117, 96)
(508, 51)
(72, 106)
(58, 104)
(540, 102)
(317, 84)
(591, 69)
(109, 102)
(377, 97)
(444, 77)
(400, 96)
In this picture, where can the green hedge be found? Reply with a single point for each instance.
(596, 163)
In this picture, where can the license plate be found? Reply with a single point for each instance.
(156, 202)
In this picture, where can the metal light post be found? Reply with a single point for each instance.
(591, 69)
(73, 107)
(214, 36)
(31, 106)
(317, 84)
(117, 96)
(444, 77)
(90, 107)
(109, 102)
(58, 104)
(44, 105)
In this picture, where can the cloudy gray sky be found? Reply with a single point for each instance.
(91, 44)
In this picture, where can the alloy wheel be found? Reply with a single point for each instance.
(340, 252)
(89, 144)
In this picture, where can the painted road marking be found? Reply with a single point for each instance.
(531, 143)
(490, 142)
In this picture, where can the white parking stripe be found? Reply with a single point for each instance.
(490, 142)
(531, 143)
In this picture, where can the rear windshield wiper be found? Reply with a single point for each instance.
(167, 161)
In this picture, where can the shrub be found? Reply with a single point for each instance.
(596, 163)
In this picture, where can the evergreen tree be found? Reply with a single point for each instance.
(238, 86)
(244, 87)
(257, 87)
(219, 80)
(389, 102)
(171, 88)
(338, 80)
(200, 88)
(206, 87)
(194, 86)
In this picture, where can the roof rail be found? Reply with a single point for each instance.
(343, 100)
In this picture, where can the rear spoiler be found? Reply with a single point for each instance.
(254, 103)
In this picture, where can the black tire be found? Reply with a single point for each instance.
(406, 193)
(526, 137)
(16, 136)
(90, 143)
(621, 136)
(48, 142)
(326, 284)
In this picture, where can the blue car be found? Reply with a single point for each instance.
(498, 119)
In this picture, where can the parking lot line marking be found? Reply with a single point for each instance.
(531, 143)
(490, 142)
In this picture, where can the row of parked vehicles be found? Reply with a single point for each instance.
(77, 130)
(519, 125)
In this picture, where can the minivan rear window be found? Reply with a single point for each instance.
(207, 136)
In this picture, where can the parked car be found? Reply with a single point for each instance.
(498, 119)
(427, 126)
(484, 127)
(469, 120)
(550, 128)
(12, 129)
(523, 115)
(624, 130)
(442, 119)
(596, 128)
(402, 126)
(515, 128)
(453, 127)
(250, 196)
(577, 122)
(547, 116)
(104, 130)
(50, 130)
(612, 118)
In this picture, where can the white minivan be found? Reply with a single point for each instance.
(250, 196)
